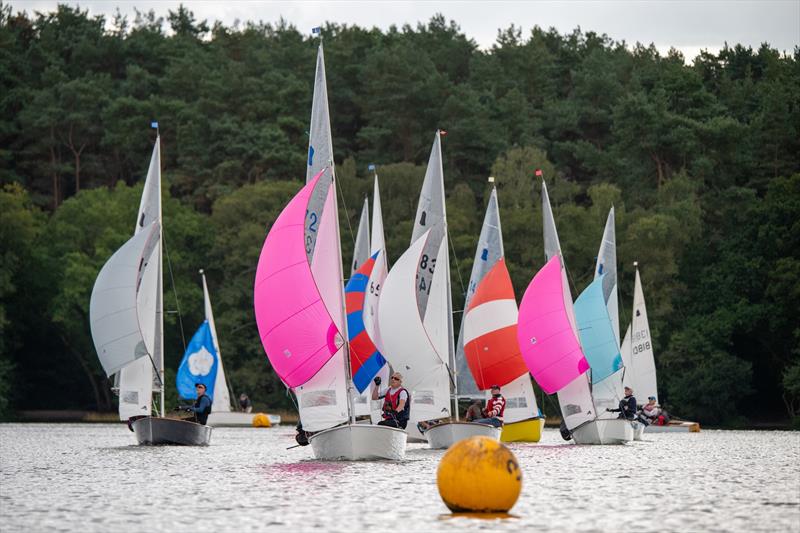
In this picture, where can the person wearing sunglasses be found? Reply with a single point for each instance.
(396, 402)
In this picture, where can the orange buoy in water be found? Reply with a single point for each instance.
(479, 474)
(261, 420)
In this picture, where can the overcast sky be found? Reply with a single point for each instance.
(689, 26)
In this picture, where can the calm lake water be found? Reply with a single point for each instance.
(75, 477)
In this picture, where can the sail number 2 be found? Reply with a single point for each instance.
(311, 226)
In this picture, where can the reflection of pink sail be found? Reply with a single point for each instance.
(295, 327)
(546, 337)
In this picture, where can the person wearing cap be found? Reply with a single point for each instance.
(396, 402)
(202, 405)
(493, 412)
(627, 406)
(651, 410)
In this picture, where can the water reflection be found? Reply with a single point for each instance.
(94, 478)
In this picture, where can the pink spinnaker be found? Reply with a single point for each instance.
(546, 337)
(295, 327)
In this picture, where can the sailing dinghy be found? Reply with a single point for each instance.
(637, 352)
(597, 314)
(126, 316)
(487, 352)
(416, 320)
(221, 413)
(550, 344)
(300, 307)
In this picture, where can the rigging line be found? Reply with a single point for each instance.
(174, 289)
(346, 212)
(458, 268)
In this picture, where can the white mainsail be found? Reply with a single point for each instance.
(608, 392)
(406, 343)
(320, 153)
(361, 252)
(322, 401)
(575, 399)
(637, 350)
(221, 399)
(488, 252)
(138, 379)
(373, 294)
(415, 309)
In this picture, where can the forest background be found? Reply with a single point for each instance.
(699, 159)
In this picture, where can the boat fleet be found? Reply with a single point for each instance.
(327, 336)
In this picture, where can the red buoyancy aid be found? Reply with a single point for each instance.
(390, 403)
(495, 407)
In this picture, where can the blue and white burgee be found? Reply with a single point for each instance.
(199, 365)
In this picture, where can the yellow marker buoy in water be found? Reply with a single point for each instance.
(479, 474)
(261, 421)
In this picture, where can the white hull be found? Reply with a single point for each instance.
(237, 419)
(674, 427)
(413, 433)
(604, 431)
(443, 436)
(359, 442)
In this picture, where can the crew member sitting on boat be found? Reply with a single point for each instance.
(654, 413)
(627, 406)
(474, 411)
(245, 405)
(396, 402)
(494, 409)
(202, 405)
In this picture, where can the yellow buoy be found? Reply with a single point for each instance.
(261, 421)
(479, 474)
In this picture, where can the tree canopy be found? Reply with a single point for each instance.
(699, 160)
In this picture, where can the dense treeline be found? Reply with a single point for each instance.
(700, 161)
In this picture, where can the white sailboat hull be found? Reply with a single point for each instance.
(610, 431)
(442, 436)
(675, 427)
(359, 442)
(237, 419)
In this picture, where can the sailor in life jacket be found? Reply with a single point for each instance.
(396, 402)
(494, 409)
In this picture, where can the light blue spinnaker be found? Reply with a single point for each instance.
(199, 365)
(596, 331)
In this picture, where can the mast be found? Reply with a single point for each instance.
(345, 337)
(159, 345)
(451, 352)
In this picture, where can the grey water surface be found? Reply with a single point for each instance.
(89, 477)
